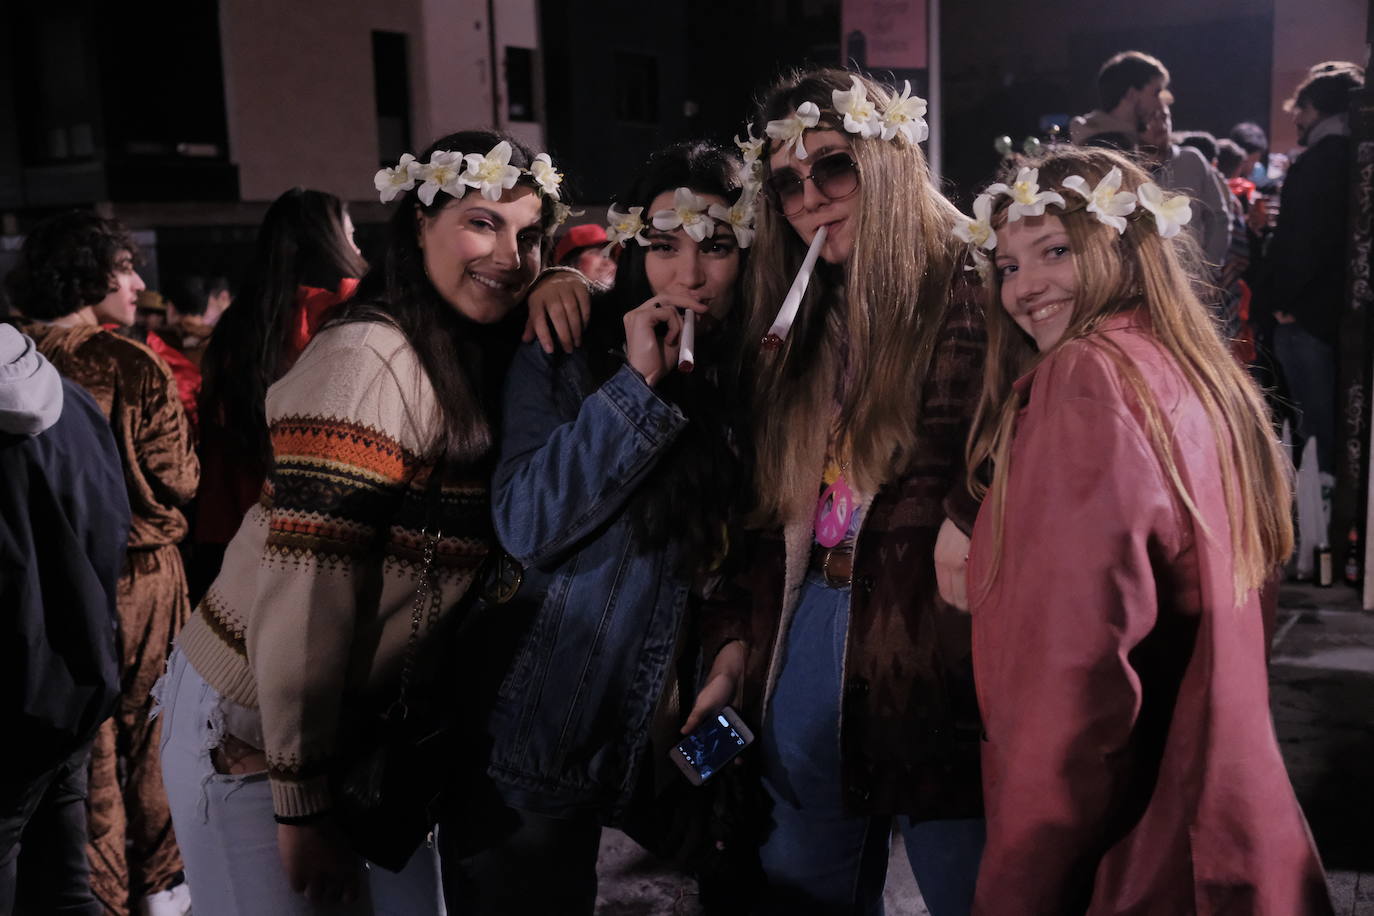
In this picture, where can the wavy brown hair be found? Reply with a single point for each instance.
(866, 331)
(1141, 270)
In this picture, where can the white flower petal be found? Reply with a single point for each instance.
(666, 220)
(1078, 185)
(982, 208)
(699, 229)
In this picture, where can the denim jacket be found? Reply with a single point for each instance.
(601, 614)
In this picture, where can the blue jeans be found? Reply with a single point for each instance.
(818, 859)
(226, 831)
(1309, 367)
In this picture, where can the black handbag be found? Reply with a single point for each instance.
(388, 788)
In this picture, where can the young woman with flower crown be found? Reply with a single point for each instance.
(616, 476)
(319, 601)
(853, 673)
(1138, 500)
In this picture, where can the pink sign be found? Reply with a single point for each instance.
(884, 33)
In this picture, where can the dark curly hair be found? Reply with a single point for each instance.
(67, 263)
(689, 495)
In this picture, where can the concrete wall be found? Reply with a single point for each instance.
(299, 83)
(452, 72)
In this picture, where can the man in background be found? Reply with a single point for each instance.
(1129, 90)
(1305, 284)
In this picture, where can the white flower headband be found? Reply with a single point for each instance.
(1106, 202)
(902, 115)
(453, 173)
(690, 213)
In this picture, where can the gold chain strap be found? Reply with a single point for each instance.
(427, 604)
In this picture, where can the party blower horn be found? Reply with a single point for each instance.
(687, 345)
(792, 301)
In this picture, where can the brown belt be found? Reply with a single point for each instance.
(835, 563)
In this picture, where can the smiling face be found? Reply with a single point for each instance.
(704, 271)
(1038, 278)
(481, 255)
(120, 305)
(816, 209)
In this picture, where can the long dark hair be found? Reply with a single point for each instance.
(301, 243)
(464, 361)
(689, 494)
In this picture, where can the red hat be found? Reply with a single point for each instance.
(583, 236)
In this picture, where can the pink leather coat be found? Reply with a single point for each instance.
(1130, 765)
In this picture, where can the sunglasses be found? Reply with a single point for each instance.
(836, 176)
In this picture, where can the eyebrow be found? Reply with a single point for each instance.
(489, 214)
(1049, 235)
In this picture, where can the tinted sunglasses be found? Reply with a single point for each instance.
(836, 176)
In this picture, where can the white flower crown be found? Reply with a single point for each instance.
(1107, 203)
(690, 213)
(453, 173)
(902, 115)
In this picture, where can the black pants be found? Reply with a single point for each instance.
(43, 841)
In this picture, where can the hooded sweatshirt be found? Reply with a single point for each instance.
(1095, 123)
(30, 388)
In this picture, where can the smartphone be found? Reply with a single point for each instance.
(713, 744)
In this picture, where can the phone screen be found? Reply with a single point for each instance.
(714, 743)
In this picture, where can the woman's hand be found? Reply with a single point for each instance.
(722, 684)
(951, 565)
(560, 307)
(654, 356)
(319, 862)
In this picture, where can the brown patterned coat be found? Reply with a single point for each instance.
(909, 728)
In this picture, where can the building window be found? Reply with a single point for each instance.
(636, 80)
(391, 78)
(520, 84)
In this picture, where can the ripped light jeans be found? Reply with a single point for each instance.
(225, 827)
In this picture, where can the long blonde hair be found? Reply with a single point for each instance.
(1141, 270)
(865, 332)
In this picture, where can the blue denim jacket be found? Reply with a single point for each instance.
(572, 715)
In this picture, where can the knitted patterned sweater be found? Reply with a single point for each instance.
(313, 602)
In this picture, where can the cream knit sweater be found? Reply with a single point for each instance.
(313, 602)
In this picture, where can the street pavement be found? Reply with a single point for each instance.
(1322, 696)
